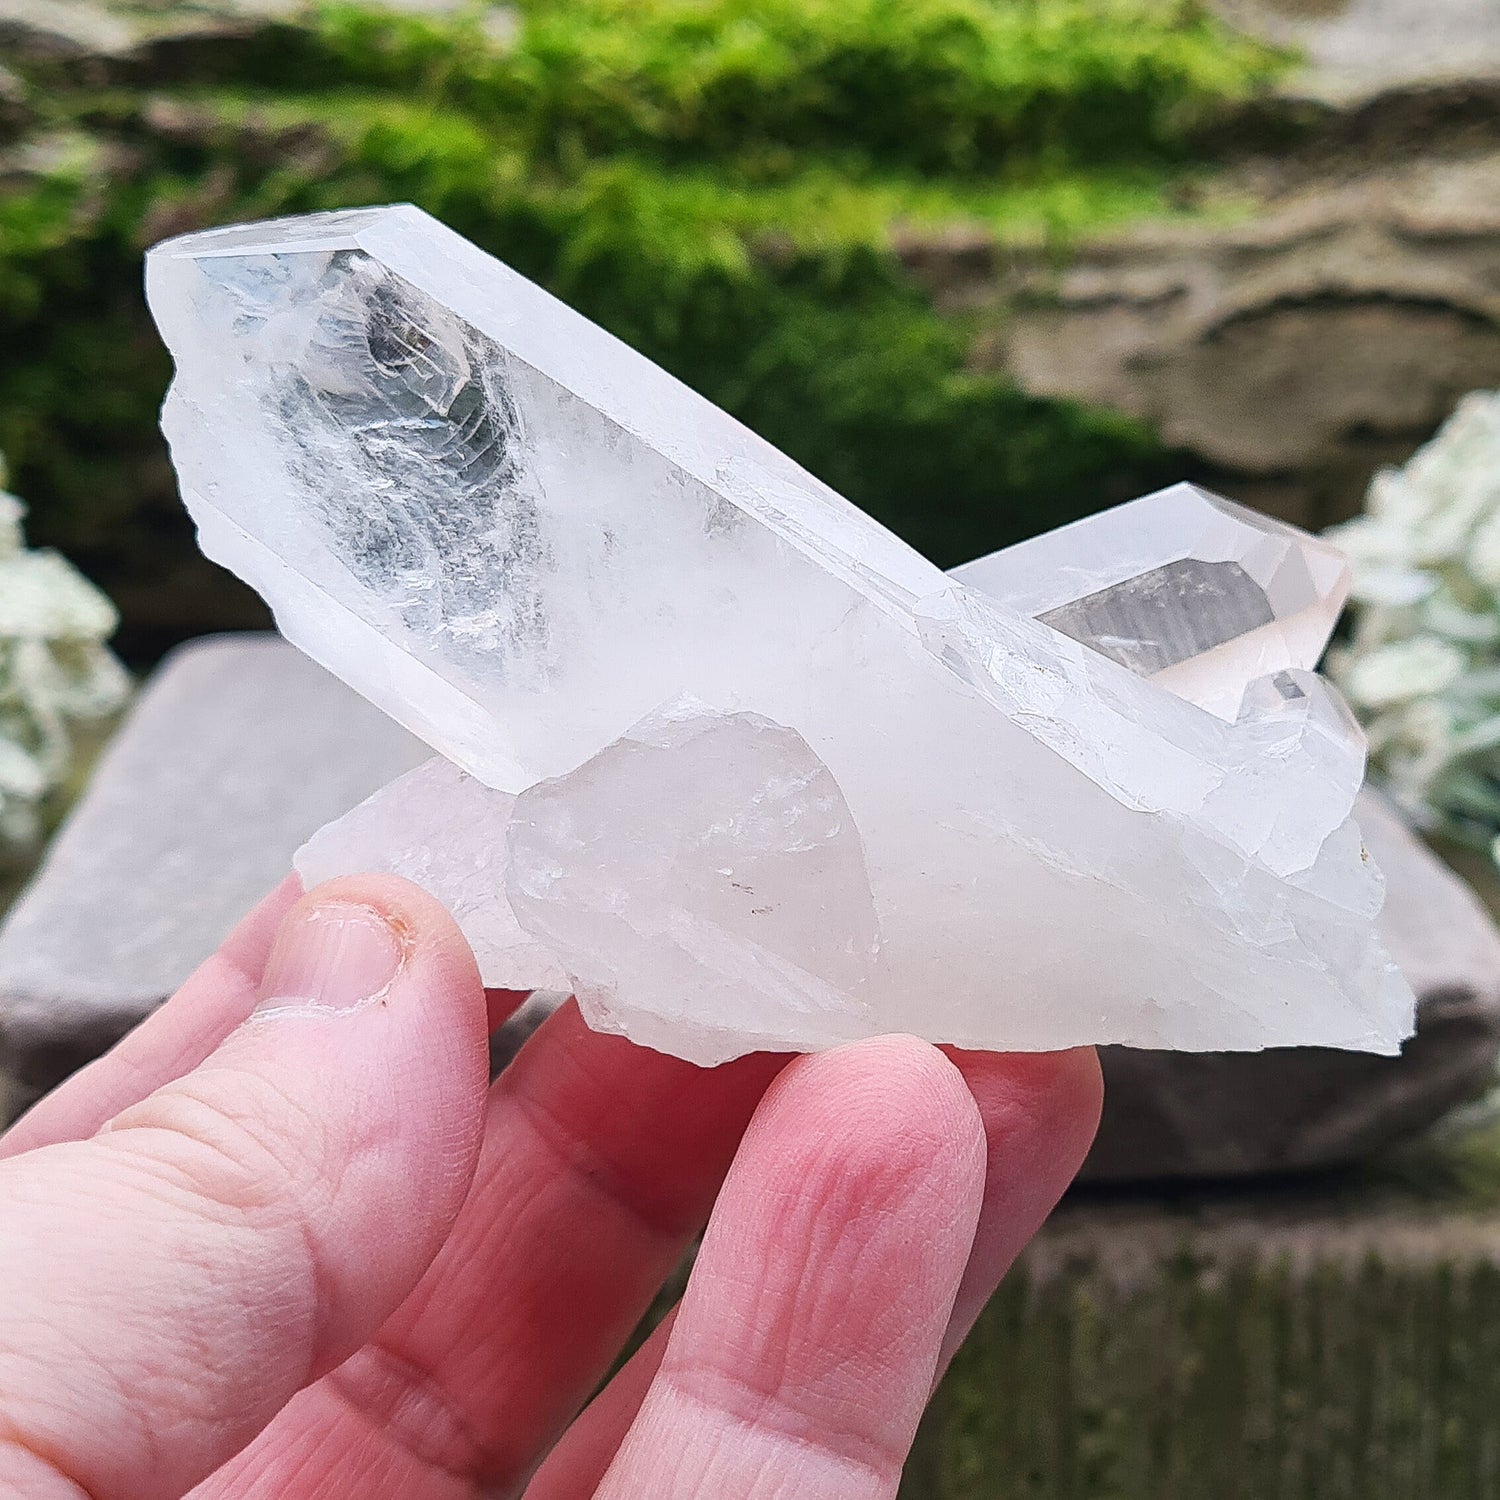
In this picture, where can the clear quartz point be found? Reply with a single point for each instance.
(1183, 586)
(659, 662)
(745, 888)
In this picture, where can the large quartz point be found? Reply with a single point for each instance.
(719, 752)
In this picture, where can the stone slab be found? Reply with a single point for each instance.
(1290, 350)
(240, 747)
(63, 28)
(237, 750)
(1353, 50)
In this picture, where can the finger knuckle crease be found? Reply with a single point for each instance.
(250, 1158)
(412, 1408)
(588, 1166)
(773, 1412)
(29, 1473)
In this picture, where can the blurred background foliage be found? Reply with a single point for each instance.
(722, 183)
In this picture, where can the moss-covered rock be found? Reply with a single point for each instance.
(722, 183)
(1335, 1341)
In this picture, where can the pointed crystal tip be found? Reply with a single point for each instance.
(1184, 587)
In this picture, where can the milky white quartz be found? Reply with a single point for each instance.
(720, 753)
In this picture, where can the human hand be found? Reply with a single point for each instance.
(283, 1240)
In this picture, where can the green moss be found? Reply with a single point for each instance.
(942, 85)
(1241, 1378)
(719, 182)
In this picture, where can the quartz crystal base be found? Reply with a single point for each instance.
(718, 752)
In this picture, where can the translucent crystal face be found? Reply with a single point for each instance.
(374, 384)
(965, 807)
(463, 497)
(1302, 695)
(1184, 587)
(1168, 616)
(754, 854)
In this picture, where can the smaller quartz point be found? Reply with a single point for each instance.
(742, 892)
(1191, 590)
(707, 861)
(721, 752)
(1300, 746)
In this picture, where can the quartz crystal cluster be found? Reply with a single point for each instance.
(719, 753)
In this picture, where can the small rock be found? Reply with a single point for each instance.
(1186, 1115)
(1353, 50)
(237, 750)
(64, 29)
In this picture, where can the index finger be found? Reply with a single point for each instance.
(806, 1342)
(1039, 1110)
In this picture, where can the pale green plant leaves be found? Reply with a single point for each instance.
(55, 670)
(1422, 665)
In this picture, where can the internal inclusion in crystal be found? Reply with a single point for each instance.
(365, 354)
(523, 540)
(1167, 615)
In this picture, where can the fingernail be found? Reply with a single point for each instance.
(333, 957)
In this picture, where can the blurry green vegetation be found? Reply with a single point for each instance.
(723, 183)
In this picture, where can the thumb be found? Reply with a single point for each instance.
(172, 1282)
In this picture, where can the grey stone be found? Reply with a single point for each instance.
(1288, 352)
(1356, 49)
(240, 747)
(1186, 1115)
(235, 752)
(146, 33)
(64, 28)
(155, 40)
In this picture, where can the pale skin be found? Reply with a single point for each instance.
(286, 1241)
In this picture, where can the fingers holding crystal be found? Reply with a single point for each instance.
(1039, 1115)
(805, 1346)
(600, 1162)
(245, 1208)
